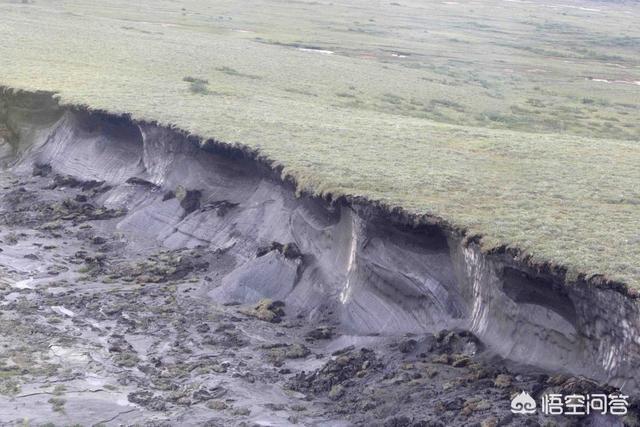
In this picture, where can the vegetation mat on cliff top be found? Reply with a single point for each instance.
(515, 120)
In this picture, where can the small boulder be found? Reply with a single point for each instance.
(267, 310)
(320, 333)
(336, 392)
(503, 381)
(407, 346)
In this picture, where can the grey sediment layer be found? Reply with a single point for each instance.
(375, 268)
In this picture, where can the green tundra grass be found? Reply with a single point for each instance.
(519, 121)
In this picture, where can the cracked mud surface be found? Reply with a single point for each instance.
(97, 330)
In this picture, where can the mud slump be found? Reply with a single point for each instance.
(155, 278)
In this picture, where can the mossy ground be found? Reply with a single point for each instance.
(517, 121)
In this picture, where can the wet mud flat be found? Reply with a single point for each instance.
(101, 327)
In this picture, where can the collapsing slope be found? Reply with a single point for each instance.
(370, 269)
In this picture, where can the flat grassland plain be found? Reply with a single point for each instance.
(515, 120)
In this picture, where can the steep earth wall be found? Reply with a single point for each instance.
(349, 260)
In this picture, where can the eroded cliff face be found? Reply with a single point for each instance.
(345, 263)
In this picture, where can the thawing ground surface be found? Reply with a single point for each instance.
(101, 327)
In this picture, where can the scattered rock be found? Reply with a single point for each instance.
(73, 182)
(407, 346)
(503, 381)
(336, 392)
(40, 169)
(147, 399)
(217, 405)
(275, 406)
(342, 368)
(241, 411)
(461, 342)
(206, 394)
(98, 240)
(475, 404)
(57, 404)
(320, 333)
(189, 199)
(279, 352)
(289, 250)
(162, 267)
(444, 359)
(267, 310)
(460, 361)
(141, 182)
(203, 328)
